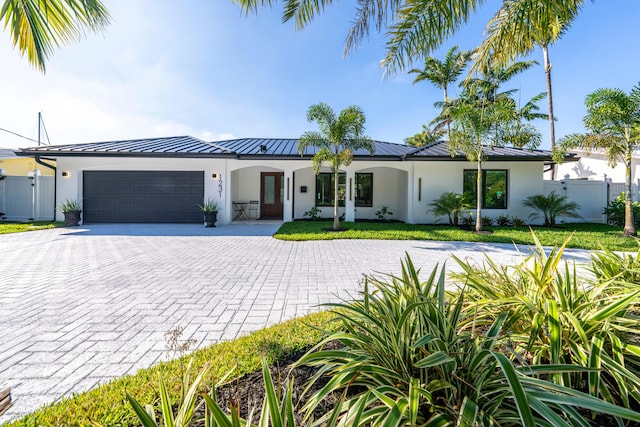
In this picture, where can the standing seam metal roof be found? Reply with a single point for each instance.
(186, 146)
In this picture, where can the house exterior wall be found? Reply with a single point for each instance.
(70, 186)
(524, 180)
(395, 183)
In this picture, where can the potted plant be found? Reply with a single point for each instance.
(71, 210)
(210, 210)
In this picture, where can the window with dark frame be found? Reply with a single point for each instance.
(494, 187)
(325, 189)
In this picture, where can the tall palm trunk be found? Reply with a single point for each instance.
(479, 198)
(336, 217)
(449, 120)
(552, 126)
(629, 226)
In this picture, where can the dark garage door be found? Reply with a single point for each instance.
(142, 196)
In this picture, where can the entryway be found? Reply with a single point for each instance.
(271, 195)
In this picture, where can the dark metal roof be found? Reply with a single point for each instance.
(169, 146)
(288, 147)
(440, 151)
(274, 148)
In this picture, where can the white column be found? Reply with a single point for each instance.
(287, 215)
(226, 193)
(412, 192)
(350, 199)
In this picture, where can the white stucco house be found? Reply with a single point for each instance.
(595, 165)
(163, 179)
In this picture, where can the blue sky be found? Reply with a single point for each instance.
(202, 68)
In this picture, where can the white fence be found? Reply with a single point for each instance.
(592, 196)
(27, 198)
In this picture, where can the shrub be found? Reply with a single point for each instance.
(313, 214)
(551, 206)
(383, 212)
(554, 318)
(408, 360)
(615, 211)
(517, 222)
(486, 221)
(503, 220)
(450, 204)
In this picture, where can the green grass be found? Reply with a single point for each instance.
(107, 405)
(7, 227)
(585, 236)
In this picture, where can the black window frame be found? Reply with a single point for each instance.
(472, 200)
(359, 202)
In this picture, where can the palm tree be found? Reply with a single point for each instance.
(473, 132)
(419, 27)
(426, 137)
(443, 73)
(521, 26)
(36, 27)
(613, 121)
(450, 204)
(338, 138)
(551, 206)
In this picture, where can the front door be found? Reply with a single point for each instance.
(271, 195)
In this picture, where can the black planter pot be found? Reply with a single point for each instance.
(210, 219)
(71, 218)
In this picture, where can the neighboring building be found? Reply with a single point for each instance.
(594, 166)
(26, 188)
(163, 179)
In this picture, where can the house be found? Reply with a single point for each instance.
(26, 187)
(594, 165)
(163, 179)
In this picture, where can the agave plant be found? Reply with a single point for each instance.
(550, 207)
(409, 360)
(554, 317)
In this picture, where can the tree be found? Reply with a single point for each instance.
(613, 122)
(426, 137)
(338, 138)
(37, 27)
(551, 206)
(519, 27)
(473, 132)
(416, 28)
(443, 73)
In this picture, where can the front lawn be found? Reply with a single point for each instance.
(7, 227)
(585, 236)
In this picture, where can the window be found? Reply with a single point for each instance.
(494, 188)
(363, 189)
(325, 188)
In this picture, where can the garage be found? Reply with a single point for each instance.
(142, 196)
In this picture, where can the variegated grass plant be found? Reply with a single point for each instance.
(410, 359)
(556, 316)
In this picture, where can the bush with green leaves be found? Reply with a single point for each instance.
(409, 359)
(313, 214)
(615, 211)
(556, 317)
(503, 220)
(551, 206)
(450, 204)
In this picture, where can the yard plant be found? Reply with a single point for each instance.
(551, 206)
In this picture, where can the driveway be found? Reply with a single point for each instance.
(80, 306)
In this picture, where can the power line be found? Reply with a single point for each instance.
(17, 134)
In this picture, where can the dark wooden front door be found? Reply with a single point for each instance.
(271, 194)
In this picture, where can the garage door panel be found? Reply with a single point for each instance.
(142, 196)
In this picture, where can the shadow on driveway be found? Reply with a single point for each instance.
(249, 229)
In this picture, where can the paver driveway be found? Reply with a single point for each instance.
(81, 306)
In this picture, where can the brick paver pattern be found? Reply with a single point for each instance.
(81, 306)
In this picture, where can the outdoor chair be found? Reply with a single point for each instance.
(253, 207)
